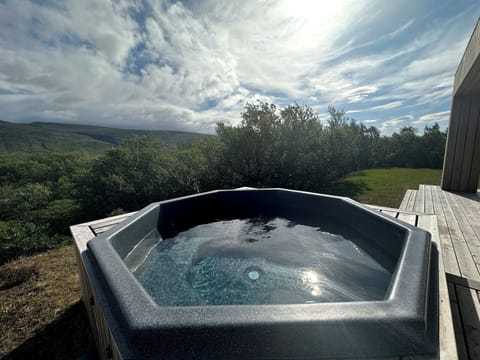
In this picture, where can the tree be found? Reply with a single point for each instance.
(287, 148)
(193, 167)
(300, 150)
(343, 148)
(404, 148)
(249, 157)
(433, 145)
(128, 176)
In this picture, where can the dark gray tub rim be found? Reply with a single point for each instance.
(133, 309)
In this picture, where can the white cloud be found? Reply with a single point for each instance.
(61, 115)
(388, 106)
(187, 65)
(404, 27)
(438, 117)
(353, 111)
(360, 93)
(392, 124)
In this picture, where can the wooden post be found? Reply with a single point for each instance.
(461, 165)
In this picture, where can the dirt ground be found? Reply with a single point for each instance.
(41, 315)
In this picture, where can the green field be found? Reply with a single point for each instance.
(384, 187)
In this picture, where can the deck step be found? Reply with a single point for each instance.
(408, 202)
(424, 200)
(419, 201)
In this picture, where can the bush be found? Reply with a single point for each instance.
(20, 238)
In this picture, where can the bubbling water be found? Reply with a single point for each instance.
(260, 261)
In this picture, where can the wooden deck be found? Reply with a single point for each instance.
(428, 208)
(458, 218)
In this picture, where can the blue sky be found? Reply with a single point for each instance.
(153, 64)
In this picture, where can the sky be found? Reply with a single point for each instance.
(187, 65)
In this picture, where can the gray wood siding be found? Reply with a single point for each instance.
(461, 166)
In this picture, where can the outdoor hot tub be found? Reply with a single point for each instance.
(266, 274)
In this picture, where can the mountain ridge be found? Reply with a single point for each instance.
(59, 137)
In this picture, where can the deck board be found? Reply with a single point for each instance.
(407, 200)
(409, 218)
(411, 200)
(390, 213)
(449, 255)
(103, 225)
(396, 211)
(429, 207)
(448, 347)
(419, 204)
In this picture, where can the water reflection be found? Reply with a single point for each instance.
(261, 261)
(311, 280)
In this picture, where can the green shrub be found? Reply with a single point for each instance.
(19, 238)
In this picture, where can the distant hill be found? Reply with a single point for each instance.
(42, 136)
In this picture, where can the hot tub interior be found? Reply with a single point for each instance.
(260, 250)
(261, 261)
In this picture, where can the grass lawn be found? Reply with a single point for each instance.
(385, 187)
(41, 315)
